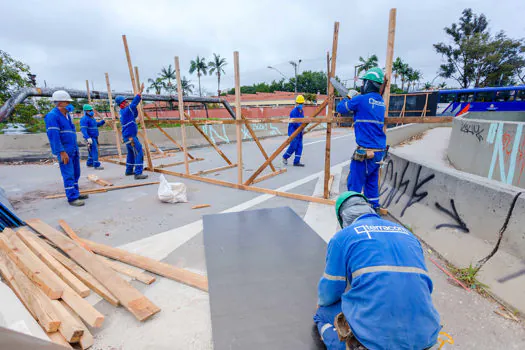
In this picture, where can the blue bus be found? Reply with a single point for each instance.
(497, 99)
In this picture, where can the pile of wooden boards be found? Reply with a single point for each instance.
(51, 273)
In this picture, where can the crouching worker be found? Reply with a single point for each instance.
(389, 304)
(89, 128)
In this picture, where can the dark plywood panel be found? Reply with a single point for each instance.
(263, 269)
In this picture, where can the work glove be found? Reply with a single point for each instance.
(352, 93)
(90, 141)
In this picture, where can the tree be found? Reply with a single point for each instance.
(168, 74)
(217, 66)
(397, 66)
(405, 72)
(199, 65)
(14, 75)
(157, 85)
(477, 58)
(366, 64)
(428, 86)
(187, 86)
(414, 77)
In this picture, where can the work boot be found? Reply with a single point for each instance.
(99, 168)
(299, 164)
(83, 196)
(89, 165)
(141, 177)
(285, 161)
(77, 203)
(128, 174)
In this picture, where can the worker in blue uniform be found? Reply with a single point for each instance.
(89, 129)
(369, 119)
(296, 146)
(62, 137)
(128, 116)
(388, 304)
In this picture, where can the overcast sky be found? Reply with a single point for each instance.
(67, 42)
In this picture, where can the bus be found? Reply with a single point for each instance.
(496, 99)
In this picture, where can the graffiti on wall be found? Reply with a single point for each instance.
(508, 152)
(217, 133)
(472, 129)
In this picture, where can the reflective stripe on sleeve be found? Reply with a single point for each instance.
(369, 121)
(388, 268)
(334, 278)
(325, 327)
(53, 128)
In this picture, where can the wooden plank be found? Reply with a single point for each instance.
(178, 163)
(118, 137)
(81, 274)
(94, 178)
(127, 270)
(180, 94)
(72, 298)
(283, 146)
(112, 188)
(389, 58)
(425, 120)
(70, 328)
(30, 264)
(248, 121)
(202, 172)
(57, 338)
(72, 234)
(238, 113)
(29, 239)
(256, 139)
(136, 303)
(330, 113)
(35, 301)
(136, 88)
(200, 206)
(61, 195)
(268, 176)
(331, 183)
(86, 340)
(207, 138)
(151, 265)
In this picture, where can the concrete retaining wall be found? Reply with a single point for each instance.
(492, 149)
(401, 133)
(497, 116)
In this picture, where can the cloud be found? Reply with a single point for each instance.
(67, 42)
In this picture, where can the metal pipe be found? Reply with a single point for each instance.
(18, 97)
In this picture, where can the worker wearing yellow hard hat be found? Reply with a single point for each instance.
(296, 146)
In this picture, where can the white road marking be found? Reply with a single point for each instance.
(324, 140)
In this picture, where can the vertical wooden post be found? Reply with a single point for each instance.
(389, 59)
(88, 92)
(181, 114)
(141, 114)
(426, 104)
(327, 72)
(114, 119)
(330, 115)
(238, 113)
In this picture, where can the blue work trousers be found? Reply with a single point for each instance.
(93, 153)
(135, 157)
(366, 174)
(296, 146)
(324, 320)
(70, 175)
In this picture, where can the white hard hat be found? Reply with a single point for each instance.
(61, 95)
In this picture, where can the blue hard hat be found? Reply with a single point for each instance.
(119, 100)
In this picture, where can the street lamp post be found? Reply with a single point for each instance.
(278, 71)
(296, 67)
(355, 74)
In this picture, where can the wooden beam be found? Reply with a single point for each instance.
(238, 113)
(70, 328)
(214, 170)
(128, 271)
(330, 113)
(180, 95)
(57, 338)
(249, 121)
(331, 183)
(86, 340)
(30, 240)
(256, 139)
(160, 166)
(152, 265)
(136, 303)
(201, 206)
(422, 120)
(389, 58)
(35, 301)
(136, 88)
(81, 274)
(94, 178)
(30, 264)
(72, 298)
(207, 138)
(282, 147)
(112, 188)
(268, 176)
(72, 234)
(91, 191)
(88, 92)
(118, 136)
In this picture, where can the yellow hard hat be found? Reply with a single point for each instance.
(299, 99)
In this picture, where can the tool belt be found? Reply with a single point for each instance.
(361, 153)
(345, 333)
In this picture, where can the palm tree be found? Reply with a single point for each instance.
(405, 72)
(397, 66)
(443, 85)
(187, 86)
(157, 85)
(428, 86)
(366, 64)
(216, 66)
(201, 67)
(169, 75)
(415, 77)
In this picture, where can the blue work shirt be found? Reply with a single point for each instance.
(389, 304)
(61, 132)
(369, 119)
(89, 126)
(295, 113)
(127, 119)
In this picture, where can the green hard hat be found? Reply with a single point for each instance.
(87, 107)
(341, 199)
(375, 74)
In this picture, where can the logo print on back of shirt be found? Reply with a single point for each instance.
(375, 103)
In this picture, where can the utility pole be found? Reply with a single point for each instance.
(296, 68)
(355, 74)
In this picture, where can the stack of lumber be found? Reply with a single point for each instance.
(51, 273)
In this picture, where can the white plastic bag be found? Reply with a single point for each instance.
(171, 192)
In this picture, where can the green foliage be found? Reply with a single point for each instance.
(309, 97)
(157, 85)
(167, 75)
(468, 276)
(199, 65)
(217, 66)
(187, 86)
(13, 76)
(367, 63)
(475, 57)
